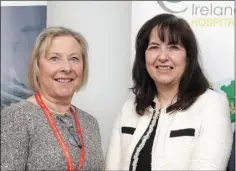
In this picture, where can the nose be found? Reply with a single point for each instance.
(66, 66)
(163, 55)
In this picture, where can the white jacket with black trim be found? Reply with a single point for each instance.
(199, 138)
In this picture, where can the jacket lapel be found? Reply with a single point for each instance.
(140, 129)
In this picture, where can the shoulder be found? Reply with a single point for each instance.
(211, 97)
(86, 118)
(17, 114)
(129, 104)
(19, 109)
(128, 111)
(213, 105)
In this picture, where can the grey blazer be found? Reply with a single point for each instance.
(28, 143)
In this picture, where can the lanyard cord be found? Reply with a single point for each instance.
(62, 144)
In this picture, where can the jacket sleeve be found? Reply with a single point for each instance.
(14, 140)
(214, 144)
(113, 155)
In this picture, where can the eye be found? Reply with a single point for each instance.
(54, 58)
(175, 47)
(74, 59)
(153, 47)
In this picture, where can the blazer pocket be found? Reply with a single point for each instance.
(182, 132)
(127, 130)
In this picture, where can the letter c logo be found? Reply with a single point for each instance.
(163, 6)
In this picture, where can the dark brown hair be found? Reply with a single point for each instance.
(193, 83)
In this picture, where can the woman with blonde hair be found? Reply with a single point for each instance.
(45, 131)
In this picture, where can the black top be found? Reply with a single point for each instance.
(145, 155)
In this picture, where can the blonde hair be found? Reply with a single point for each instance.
(41, 47)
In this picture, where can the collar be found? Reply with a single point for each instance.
(155, 105)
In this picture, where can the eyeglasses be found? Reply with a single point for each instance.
(67, 123)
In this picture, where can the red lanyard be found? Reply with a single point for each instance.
(64, 147)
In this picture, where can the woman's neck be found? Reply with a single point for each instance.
(166, 95)
(56, 105)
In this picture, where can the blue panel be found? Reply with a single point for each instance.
(20, 26)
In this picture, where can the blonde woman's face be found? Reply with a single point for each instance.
(61, 69)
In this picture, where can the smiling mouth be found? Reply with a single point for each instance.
(63, 80)
(164, 68)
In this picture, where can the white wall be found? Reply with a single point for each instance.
(107, 27)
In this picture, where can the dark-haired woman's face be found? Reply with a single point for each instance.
(165, 62)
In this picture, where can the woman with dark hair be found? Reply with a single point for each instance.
(175, 121)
